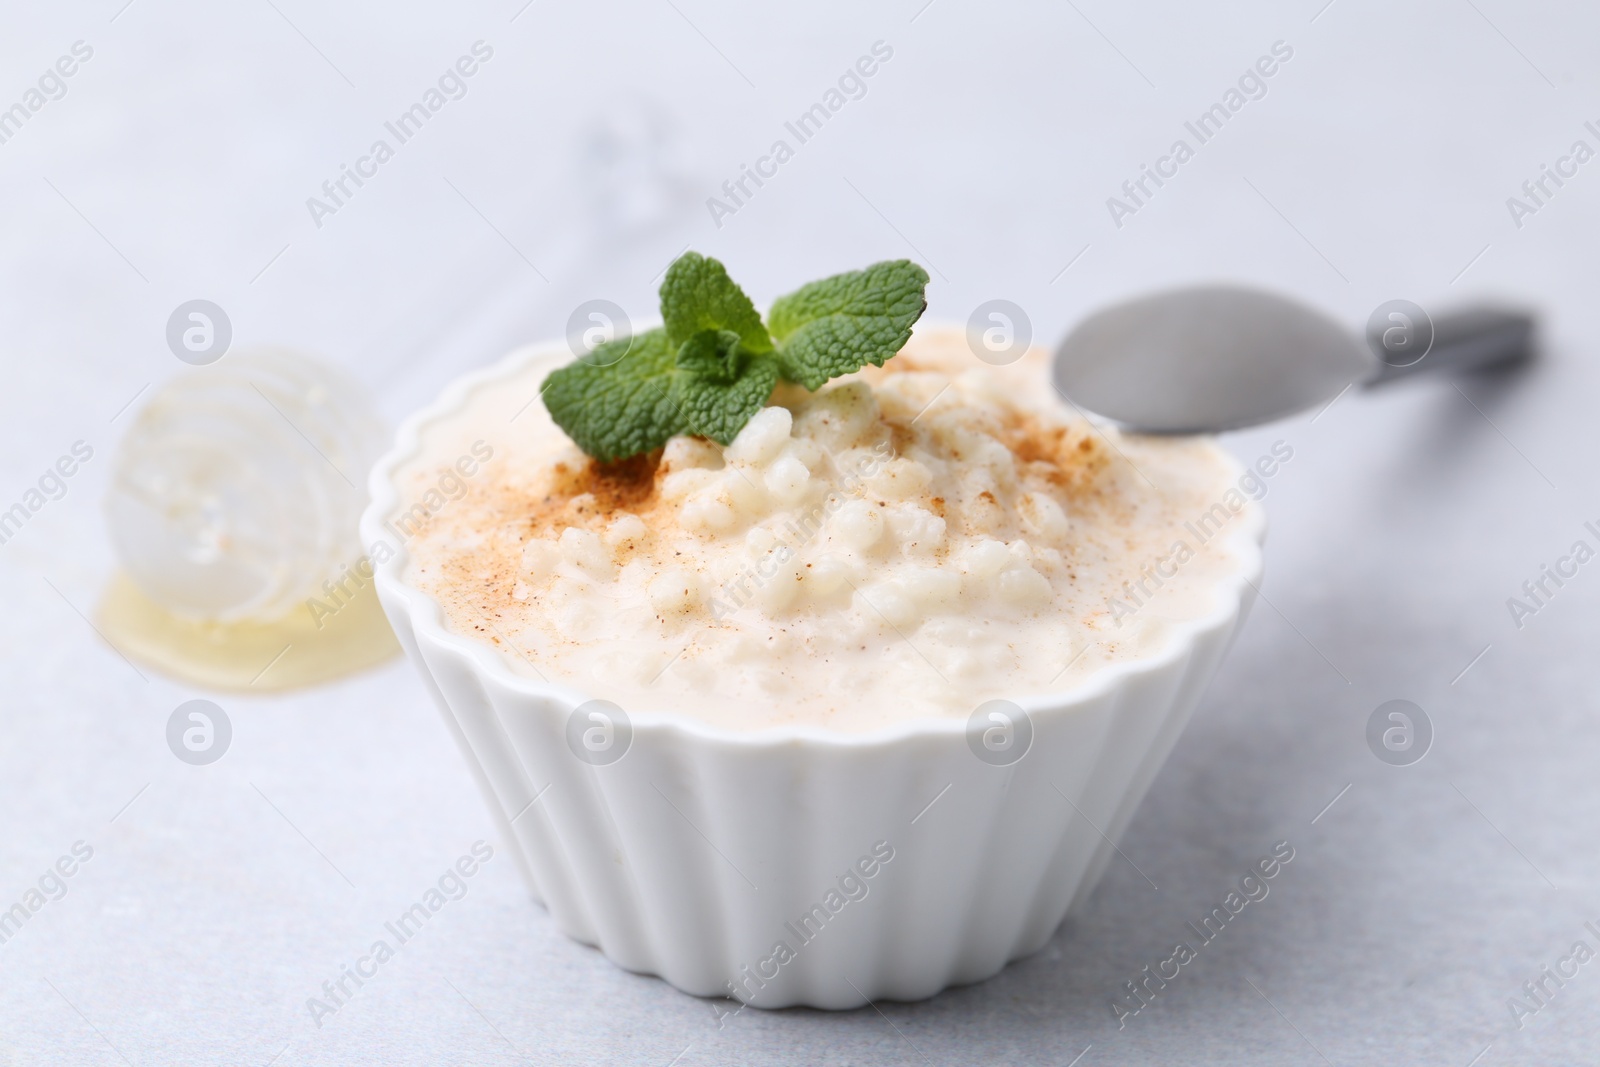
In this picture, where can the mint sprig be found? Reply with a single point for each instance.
(713, 364)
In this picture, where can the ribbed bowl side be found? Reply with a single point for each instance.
(693, 858)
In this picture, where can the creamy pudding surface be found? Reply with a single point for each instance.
(907, 542)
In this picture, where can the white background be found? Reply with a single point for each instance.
(1377, 166)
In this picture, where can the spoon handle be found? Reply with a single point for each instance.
(1464, 340)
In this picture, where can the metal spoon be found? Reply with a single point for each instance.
(1220, 357)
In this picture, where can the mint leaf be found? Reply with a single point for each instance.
(618, 401)
(840, 324)
(717, 408)
(697, 294)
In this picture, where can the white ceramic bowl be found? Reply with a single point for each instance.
(700, 850)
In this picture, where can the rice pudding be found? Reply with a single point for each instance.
(909, 541)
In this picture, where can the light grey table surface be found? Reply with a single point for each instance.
(1377, 165)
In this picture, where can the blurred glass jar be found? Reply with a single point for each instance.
(237, 490)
